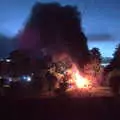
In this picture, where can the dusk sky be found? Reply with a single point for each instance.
(100, 18)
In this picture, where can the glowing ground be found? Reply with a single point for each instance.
(92, 92)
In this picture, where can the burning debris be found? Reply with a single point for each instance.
(67, 72)
(80, 80)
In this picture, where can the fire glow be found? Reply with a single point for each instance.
(80, 81)
(74, 75)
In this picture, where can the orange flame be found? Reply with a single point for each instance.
(79, 80)
(76, 78)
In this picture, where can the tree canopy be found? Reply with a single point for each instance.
(95, 54)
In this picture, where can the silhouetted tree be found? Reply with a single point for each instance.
(116, 55)
(56, 28)
(115, 61)
(114, 71)
(96, 55)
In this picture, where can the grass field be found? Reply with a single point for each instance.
(92, 92)
(61, 108)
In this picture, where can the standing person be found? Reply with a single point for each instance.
(51, 81)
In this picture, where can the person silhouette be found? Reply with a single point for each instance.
(51, 81)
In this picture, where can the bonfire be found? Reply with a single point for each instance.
(75, 78)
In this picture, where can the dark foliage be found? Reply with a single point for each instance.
(95, 54)
(116, 57)
(115, 61)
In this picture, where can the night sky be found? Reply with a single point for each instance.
(100, 18)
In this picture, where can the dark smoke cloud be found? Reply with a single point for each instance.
(100, 37)
(55, 28)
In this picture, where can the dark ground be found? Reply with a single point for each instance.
(60, 108)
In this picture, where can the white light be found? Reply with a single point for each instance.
(8, 60)
(28, 79)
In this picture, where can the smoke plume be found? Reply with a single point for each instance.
(55, 29)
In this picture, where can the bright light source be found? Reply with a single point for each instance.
(8, 60)
(80, 81)
(28, 78)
